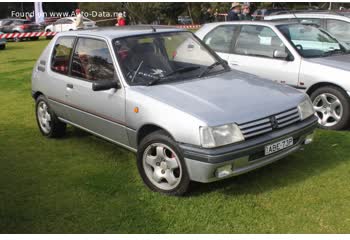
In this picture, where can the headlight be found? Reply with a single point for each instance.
(221, 135)
(306, 109)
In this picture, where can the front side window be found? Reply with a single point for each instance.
(258, 41)
(340, 29)
(220, 38)
(92, 60)
(61, 54)
(165, 57)
(311, 41)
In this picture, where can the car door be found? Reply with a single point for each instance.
(220, 39)
(100, 112)
(58, 69)
(260, 51)
(67, 25)
(57, 26)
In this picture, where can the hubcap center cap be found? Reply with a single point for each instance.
(163, 165)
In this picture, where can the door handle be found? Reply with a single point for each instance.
(69, 85)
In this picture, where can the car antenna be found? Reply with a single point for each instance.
(153, 29)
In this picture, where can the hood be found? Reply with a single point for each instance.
(336, 61)
(226, 98)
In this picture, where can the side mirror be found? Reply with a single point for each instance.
(105, 85)
(280, 54)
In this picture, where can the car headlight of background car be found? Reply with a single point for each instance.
(219, 136)
(306, 109)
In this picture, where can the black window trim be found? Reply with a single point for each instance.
(76, 38)
(292, 58)
(70, 56)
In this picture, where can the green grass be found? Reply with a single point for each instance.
(82, 184)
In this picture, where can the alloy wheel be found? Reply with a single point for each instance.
(44, 117)
(329, 109)
(162, 166)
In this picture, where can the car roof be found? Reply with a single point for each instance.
(259, 23)
(330, 15)
(117, 32)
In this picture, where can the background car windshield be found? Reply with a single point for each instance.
(310, 41)
(146, 58)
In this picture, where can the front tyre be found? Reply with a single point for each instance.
(161, 164)
(332, 106)
(48, 123)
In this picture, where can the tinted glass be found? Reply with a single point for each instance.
(258, 41)
(61, 54)
(311, 41)
(155, 56)
(340, 29)
(220, 38)
(92, 60)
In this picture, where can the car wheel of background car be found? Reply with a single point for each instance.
(161, 164)
(332, 106)
(2, 47)
(34, 38)
(49, 125)
(48, 37)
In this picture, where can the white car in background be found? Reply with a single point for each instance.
(68, 24)
(335, 23)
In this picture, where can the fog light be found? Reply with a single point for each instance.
(309, 139)
(223, 171)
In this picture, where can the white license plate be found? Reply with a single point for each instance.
(278, 146)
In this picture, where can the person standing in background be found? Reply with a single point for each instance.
(233, 14)
(208, 16)
(120, 20)
(79, 20)
(245, 15)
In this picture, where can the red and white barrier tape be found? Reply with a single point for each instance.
(26, 35)
(190, 26)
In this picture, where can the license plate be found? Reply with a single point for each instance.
(278, 146)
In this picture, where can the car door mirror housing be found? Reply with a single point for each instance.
(280, 54)
(105, 85)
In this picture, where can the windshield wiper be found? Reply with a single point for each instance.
(179, 70)
(210, 67)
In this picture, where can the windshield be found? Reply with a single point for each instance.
(311, 41)
(164, 57)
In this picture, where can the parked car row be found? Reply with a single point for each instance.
(300, 55)
(165, 95)
(16, 25)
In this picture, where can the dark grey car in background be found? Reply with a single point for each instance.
(16, 25)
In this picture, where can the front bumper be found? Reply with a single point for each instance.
(202, 164)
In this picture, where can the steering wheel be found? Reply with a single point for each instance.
(300, 47)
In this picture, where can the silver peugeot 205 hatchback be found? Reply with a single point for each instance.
(163, 94)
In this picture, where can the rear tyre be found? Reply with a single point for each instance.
(49, 125)
(2, 47)
(48, 37)
(332, 106)
(161, 164)
(34, 38)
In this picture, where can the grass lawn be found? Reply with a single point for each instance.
(82, 184)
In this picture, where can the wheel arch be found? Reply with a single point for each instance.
(315, 86)
(36, 94)
(147, 129)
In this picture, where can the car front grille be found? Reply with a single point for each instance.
(268, 124)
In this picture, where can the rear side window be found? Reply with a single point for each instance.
(258, 41)
(340, 29)
(220, 38)
(61, 55)
(92, 60)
